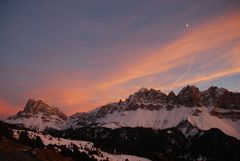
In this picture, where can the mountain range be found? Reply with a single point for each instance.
(192, 125)
(148, 108)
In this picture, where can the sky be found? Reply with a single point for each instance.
(78, 55)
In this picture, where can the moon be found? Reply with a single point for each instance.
(187, 25)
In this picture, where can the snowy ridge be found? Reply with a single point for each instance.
(205, 121)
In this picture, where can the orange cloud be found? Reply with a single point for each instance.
(208, 77)
(213, 34)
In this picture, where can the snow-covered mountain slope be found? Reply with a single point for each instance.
(38, 115)
(162, 119)
(154, 109)
(205, 121)
(38, 122)
(157, 119)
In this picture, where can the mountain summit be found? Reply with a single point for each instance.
(189, 96)
(39, 115)
(38, 106)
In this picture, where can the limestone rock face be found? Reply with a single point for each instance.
(229, 100)
(38, 106)
(189, 96)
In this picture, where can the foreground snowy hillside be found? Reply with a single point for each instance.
(83, 146)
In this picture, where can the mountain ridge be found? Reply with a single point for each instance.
(153, 109)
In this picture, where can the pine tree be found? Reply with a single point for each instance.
(38, 142)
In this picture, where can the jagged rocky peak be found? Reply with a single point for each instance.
(190, 96)
(145, 96)
(35, 106)
(229, 100)
(143, 90)
(213, 90)
(172, 97)
(210, 96)
(38, 106)
(221, 98)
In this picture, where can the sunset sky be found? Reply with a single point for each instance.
(78, 55)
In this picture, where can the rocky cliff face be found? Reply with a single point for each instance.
(189, 96)
(224, 103)
(145, 96)
(210, 96)
(172, 97)
(38, 106)
(228, 100)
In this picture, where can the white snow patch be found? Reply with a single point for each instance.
(157, 119)
(111, 126)
(205, 121)
(39, 122)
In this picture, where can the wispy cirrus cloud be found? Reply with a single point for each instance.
(198, 43)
